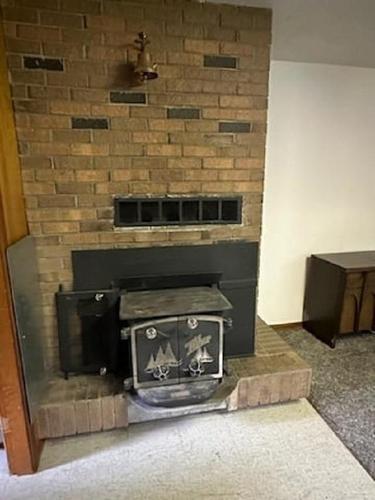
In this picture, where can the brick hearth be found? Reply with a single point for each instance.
(92, 404)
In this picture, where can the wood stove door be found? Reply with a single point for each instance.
(155, 353)
(201, 347)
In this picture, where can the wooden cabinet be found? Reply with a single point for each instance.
(340, 295)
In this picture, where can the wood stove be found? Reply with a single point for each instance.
(166, 334)
(171, 347)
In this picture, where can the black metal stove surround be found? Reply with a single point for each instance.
(233, 264)
(157, 316)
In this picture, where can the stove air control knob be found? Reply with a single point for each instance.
(161, 372)
(151, 333)
(192, 323)
(196, 368)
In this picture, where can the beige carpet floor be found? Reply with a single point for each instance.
(281, 452)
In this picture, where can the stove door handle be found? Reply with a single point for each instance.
(125, 333)
(164, 334)
(161, 372)
(196, 368)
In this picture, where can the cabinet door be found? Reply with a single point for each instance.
(200, 347)
(367, 314)
(351, 303)
(349, 312)
(155, 353)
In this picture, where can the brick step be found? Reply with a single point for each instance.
(91, 403)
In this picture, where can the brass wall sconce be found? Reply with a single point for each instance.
(144, 69)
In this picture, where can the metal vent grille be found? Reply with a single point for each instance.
(184, 211)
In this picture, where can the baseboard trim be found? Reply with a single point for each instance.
(287, 326)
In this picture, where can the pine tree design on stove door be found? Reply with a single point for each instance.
(155, 353)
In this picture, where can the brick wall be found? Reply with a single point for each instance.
(84, 137)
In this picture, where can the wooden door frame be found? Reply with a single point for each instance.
(21, 443)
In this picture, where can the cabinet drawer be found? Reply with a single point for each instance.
(367, 319)
(367, 316)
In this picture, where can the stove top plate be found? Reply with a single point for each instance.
(172, 302)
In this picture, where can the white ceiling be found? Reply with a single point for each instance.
(321, 31)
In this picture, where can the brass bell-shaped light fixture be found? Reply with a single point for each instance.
(144, 69)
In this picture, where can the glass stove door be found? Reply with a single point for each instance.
(155, 353)
(200, 347)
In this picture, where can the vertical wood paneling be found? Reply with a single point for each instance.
(22, 447)
(10, 172)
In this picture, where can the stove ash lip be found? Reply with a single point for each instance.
(177, 395)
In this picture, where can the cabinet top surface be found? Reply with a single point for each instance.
(350, 261)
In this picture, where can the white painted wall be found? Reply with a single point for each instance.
(320, 160)
(320, 31)
(320, 176)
